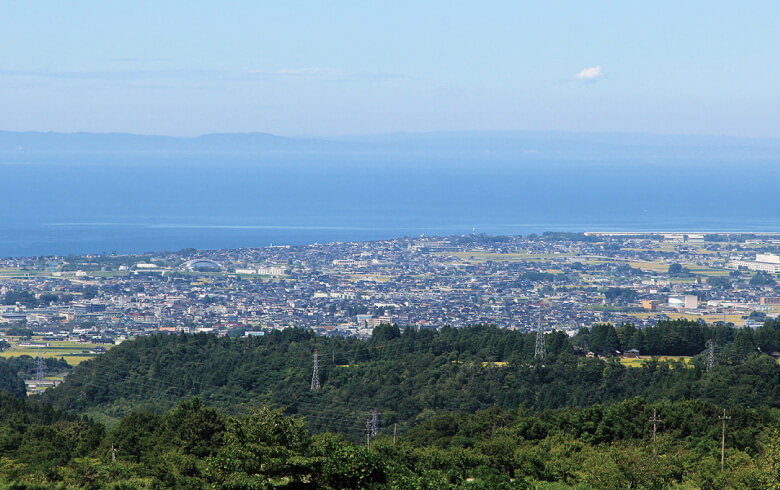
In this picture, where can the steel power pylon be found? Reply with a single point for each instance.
(315, 374)
(540, 351)
(39, 371)
(709, 362)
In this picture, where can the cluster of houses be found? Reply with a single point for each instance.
(564, 283)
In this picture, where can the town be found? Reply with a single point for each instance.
(553, 281)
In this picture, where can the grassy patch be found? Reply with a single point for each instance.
(369, 277)
(637, 362)
(480, 256)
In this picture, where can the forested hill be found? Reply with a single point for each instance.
(408, 376)
(195, 447)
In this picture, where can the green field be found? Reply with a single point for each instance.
(73, 352)
(480, 256)
(655, 266)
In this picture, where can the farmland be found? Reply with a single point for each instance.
(73, 352)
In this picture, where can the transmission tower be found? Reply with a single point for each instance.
(39, 371)
(374, 423)
(315, 375)
(540, 351)
(709, 362)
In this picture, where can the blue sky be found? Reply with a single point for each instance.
(347, 67)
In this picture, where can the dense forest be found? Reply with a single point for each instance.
(459, 408)
(193, 446)
(681, 338)
(412, 375)
(9, 379)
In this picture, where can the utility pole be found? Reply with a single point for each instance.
(395, 426)
(709, 362)
(655, 421)
(723, 419)
(315, 375)
(540, 350)
(375, 423)
(368, 430)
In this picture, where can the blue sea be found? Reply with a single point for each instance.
(52, 205)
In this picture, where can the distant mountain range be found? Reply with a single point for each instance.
(495, 145)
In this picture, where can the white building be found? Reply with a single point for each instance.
(683, 238)
(270, 270)
(695, 239)
(764, 262)
(687, 302)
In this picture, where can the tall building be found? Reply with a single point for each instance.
(687, 302)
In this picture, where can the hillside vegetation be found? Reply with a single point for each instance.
(456, 409)
(410, 376)
(9, 379)
(192, 447)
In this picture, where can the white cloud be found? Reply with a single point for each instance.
(591, 73)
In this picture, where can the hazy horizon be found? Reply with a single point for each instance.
(358, 135)
(172, 122)
(297, 68)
